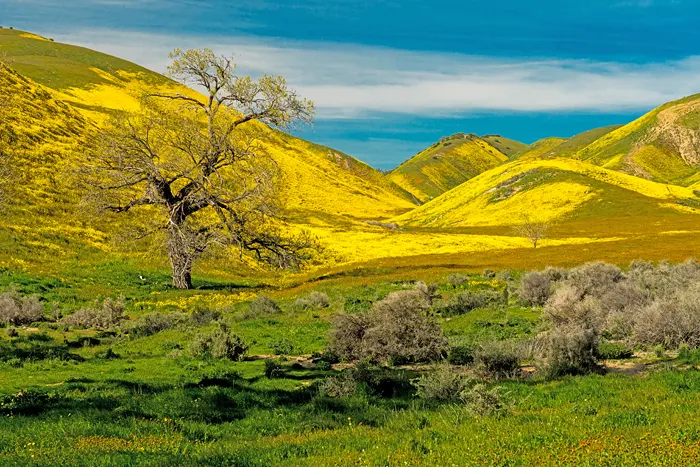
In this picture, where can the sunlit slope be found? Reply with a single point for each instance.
(317, 179)
(62, 66)
(445, 165)
(507, 146)
(540, 148)
(663, 145)
(570, 147)
(552, 190)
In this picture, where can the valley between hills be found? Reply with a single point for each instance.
(621, 193)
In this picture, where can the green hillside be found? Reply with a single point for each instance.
(63, 66)
(446, 164)
(571, 146)
(540, 148)
(509, 147)
(663, 145)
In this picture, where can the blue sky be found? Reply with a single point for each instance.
(390, 77)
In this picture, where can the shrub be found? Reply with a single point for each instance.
(688, 356)
(497, 359)
(467, 301)
(614, 351)
(11, 332)
(489, 273)
(28, 402)
(460, 355)
(202, 316)
(569, 306)
(570, 350)
(429, 291)
(660, 351)
(342, 385)
(219, 343)
(442, 385)
(671, 321)
(313, 301)
(505, 275)
(153, 323)
(18, 310)
(482, 401)
(617, 305)
(594, 278)
(400, 328)
(347, 335)
(273, 369)
(108, 316)
(282, 346)
(108, 354)
(457, 280)
(396, 329)
(264, 306)
(535, 288)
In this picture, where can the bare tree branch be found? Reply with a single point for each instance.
(200, 165)
(532, 229)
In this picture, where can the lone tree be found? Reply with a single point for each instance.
(533, 230)
(191, 162)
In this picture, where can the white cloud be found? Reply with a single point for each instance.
(351, 81)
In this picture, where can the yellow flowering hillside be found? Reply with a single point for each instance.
(445, 165)
(65, 92)
(663, 145)
(552, 190)
(60, 94)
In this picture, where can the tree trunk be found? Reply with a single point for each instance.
(181, 260)
(182, 274)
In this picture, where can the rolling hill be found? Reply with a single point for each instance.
(96, 85)
(540, 148)
(62, 93)
(571, 146)
(509, 147)
(445, 165)
(559, 191)
(663, 145)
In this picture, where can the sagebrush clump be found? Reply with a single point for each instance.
(671, 321)
(19, 310)
(153, 323)
(497, 359)
(219, 343)
(396, 329)
(442, 385)
(313, 301)
(264, 306)
(467, 301)
(108, 315)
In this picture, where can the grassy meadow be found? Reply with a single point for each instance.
(114, 396)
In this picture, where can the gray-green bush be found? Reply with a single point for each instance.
(107, 315)
(396, 329)
(219, 343)
(498, 359)
(18, 310)
(313, 301)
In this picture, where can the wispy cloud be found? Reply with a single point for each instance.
(352, 81)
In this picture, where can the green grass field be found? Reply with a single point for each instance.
(65, 400)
